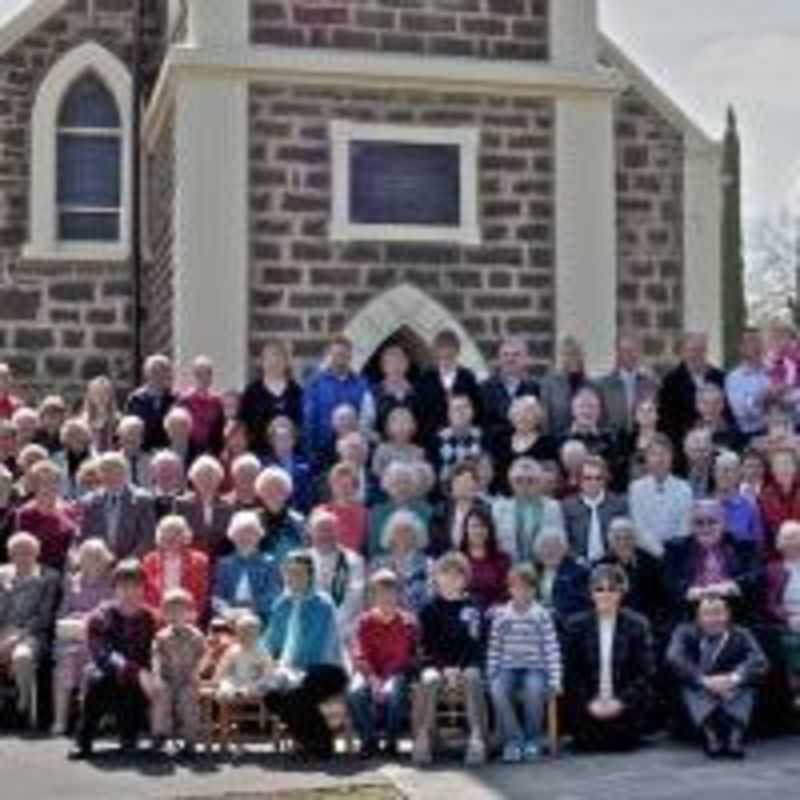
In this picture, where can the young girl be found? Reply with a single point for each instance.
(99, 412)
(84, 591)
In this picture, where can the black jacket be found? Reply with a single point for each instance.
(258, 407)
(433, 397)
(151, 409)
(497, 401)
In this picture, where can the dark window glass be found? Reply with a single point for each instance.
(88, 170)
(405, 184)
(81, 227)
(89, 104)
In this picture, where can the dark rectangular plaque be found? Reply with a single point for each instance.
(397, 183)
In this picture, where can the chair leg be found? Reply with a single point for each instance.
(552, 724)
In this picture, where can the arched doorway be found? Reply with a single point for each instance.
(408, 312)
(414, 346)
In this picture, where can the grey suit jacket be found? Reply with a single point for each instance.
(577, 518)
(615, 404)
(556, 400)
(29, 605)
(213, 538)
(137, 522)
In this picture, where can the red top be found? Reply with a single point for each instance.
(383, 648)
(208, 419)
(489, 584)
(8, 405)
(194, 577)
(56, 530)
(353, 524)
(777, 507)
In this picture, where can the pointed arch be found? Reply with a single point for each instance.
(88, 58)
(409, 307)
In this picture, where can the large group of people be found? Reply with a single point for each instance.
(626, 546)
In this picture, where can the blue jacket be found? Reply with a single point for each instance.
(323, 393)
(284, 532)
(319, 641)
(265, 578)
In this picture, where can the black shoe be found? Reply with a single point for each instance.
(158, 745)
(711, 742)
(735, 748)
(392, 749)
(80, 752)
(128, 747)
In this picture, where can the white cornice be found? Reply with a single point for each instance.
(26, 20)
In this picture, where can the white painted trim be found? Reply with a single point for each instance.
(573, 33)
(212, 236)
(702, 243)
(43, 223)
(26, 21)
(586, 247)
(695, 136)
(213, 23)
(343, 132)
(407, 306)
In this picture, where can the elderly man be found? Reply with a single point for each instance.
(747, 388)
(710, 560)
(130, 436)
(623, 389)
(718, 665)
(677, 400)
(168, 476)
(120, 514)
(284, 527)
(28, 598)
(659, 502)
(713, 417)
(698, 451)
(205, 408)
(560, 386)
(521, 517)
(244, 474)
(178, 426)
(742, 514)
(588, 514)
(152, 401)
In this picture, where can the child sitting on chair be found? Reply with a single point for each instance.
(524, 662)
(245, 670)
(218, 640)
(452, 653)
(178, 651)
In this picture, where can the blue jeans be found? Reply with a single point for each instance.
(527, 686)
(390, 713)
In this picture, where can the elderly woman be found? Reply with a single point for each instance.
(401, 484)
(572, 455)
(338, 572)
(742, 514)
(609, 684)
(168, 481)
(587, 417)
(83, 591)
(489, 565)
(710, 560)
(244, 473)
(780, 497)
(130, 438)
(646, 593)
(47, 517)
(404, 542)
(526, 439)
(204, 510)
(352, 514)
(29, 456)
(175, 564)
(520, 518)
(76, 438)
(178, 427)
(284, 527)
(783, 600)
(28, 597)
(563, 581)
(284, 453)
(247, 578)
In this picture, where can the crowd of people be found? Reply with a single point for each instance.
(626, 544)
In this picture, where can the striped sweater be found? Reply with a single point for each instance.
(525, 640)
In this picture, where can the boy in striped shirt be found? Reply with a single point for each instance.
(523, 663)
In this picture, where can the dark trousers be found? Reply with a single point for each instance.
(609, 736)
(298, 708)
(125, 700)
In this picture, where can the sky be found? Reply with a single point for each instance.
(711, 53)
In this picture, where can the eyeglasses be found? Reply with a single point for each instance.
(706, 522)
(593, 478)
(605, 590)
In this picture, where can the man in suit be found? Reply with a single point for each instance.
(120, 514)
(677, 400)
(624, 388)
(718, 666)
(152, 401)
(588, 514)
(509, 382)
(559, 387)
(438, 384)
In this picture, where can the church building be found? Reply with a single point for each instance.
(379, 168)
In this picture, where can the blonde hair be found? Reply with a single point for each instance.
(170, 523)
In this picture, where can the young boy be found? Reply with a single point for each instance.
(460, 440)
(452, 650)
(178, 652)
(524, 662)
(384, 654)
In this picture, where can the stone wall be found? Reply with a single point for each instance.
(497, 29)
(159, 285)
(650, 202)
(305, 288)
(60, 321)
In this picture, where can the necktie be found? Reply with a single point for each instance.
(595, 547)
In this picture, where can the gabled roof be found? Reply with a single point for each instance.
(610, 53)
(22, 17)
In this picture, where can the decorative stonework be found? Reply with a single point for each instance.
(495, 29)
(650, 203)
(306, 288)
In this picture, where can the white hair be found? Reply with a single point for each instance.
(405, 519)
(21, 539)
(277, 474)
(168, 524)
(246, 461)
(244, 520)
(547, 535)
(113, 459)
(206, 463)
(621, 525)
(727, 459)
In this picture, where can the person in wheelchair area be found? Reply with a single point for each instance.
(28, 598)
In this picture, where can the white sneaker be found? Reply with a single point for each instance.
(476, 752)
(531, 751)
(421, 754)
(512, 753)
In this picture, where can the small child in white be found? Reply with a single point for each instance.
(245, 670)
(524, 662)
